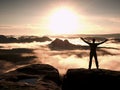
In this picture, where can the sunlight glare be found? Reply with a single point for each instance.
(63, 21)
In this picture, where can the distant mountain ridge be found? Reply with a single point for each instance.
(114, 35)
(22, 39)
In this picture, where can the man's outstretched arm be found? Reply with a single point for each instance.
(103, 41)
(85, 40)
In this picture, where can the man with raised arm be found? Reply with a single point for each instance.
(93, 47)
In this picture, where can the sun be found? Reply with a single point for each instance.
(63, 21)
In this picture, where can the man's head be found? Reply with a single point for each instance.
(93, 40)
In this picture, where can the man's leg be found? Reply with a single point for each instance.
(90, 61)
(96, 61)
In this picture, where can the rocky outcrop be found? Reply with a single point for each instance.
(32, 77)
(84, 79)
(59, 44)
(46, 77)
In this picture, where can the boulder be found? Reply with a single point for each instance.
(83, 79)
(31, 77)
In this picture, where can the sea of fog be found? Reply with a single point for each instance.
(108, 55)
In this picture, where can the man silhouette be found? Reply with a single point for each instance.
(93, 47)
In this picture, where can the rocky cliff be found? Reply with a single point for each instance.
(46, 77)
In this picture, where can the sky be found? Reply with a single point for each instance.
(44, 17)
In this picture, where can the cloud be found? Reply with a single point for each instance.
(5, 26)
(65, 59)
(12, 58)
(101, 24)
(110, 62)
(108, 56)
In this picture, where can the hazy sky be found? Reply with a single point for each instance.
(32, 16)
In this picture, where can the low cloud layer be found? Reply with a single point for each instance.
(14, 55)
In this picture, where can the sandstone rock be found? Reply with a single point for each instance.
(83, 79)
(31, 77)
